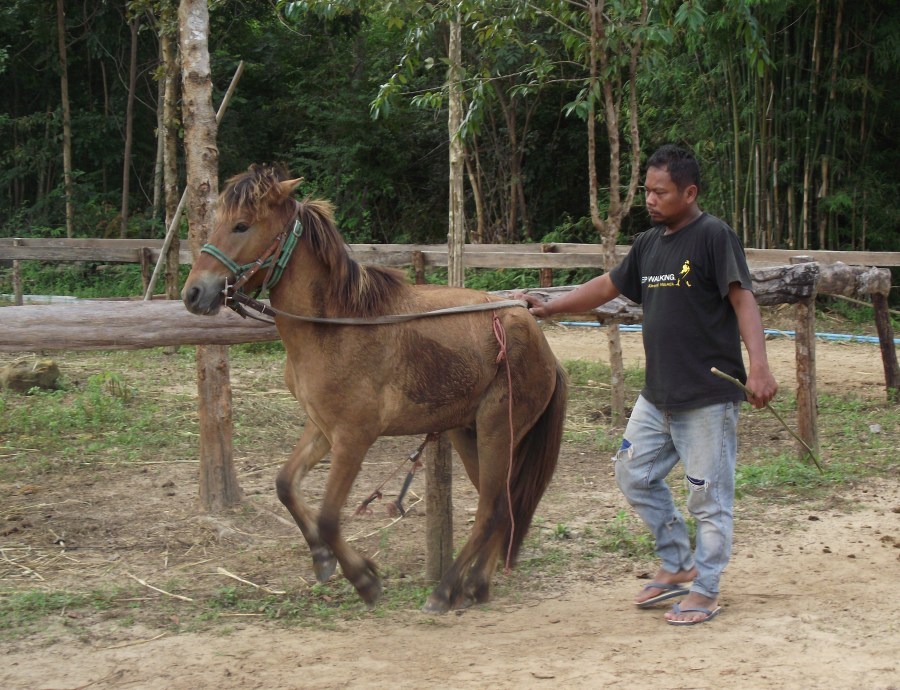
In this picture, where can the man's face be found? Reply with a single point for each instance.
(666, 204)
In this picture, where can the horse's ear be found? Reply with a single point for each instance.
(287, 187)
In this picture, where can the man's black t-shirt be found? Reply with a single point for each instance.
(682, 281)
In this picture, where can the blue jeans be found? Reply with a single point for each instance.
(705, 440)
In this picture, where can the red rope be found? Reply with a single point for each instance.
(500, 334)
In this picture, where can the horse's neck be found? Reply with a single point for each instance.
(300, 289)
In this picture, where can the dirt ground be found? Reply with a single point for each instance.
(809, 599)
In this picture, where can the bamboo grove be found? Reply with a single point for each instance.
(789, 104)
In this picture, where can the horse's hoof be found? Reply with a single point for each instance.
(324, 563)
(370, 592)
(463, 602)
(436, 604)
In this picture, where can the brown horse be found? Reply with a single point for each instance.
(358, 382)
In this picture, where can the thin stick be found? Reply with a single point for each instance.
(771, 409)
(136, 642)
(863, 303)
(157, 589)
(360, 535)
(222, 571)
(28, 570)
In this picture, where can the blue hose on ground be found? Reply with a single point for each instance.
(637, 328)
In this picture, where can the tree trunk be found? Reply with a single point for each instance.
(618, 208)
(475, 183)
(809, 154)
(66, 116)
(169, 50)
(457, 230)
(218, 481)
(158, 175)
(129, 127)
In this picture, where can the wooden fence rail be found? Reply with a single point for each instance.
(554, 255)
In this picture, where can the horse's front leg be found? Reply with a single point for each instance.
(312, 447)
(346, 459)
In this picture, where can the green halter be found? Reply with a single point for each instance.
(278, 261)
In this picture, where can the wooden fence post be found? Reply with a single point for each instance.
(888, 349)
(418, 262)
(18, 297)
(219, 488)
(439, 508)
(146, 266)
(547, 273)
(805, 348)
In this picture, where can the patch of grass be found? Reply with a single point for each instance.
(627, 537)
(585, 373)
(786, 474)
(24, 612)
(857, 437)
(102, 417)
(274, 348)
(321, 604)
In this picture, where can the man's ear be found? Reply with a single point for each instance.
(691, 193)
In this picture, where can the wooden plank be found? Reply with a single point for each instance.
(565, 255)
(478, 259)
(105, 254)
(114, 325)
(783, 256)
(99, 244)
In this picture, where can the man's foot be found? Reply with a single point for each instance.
(650, 594)
(695, 608)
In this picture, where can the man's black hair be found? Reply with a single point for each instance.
(680, 163)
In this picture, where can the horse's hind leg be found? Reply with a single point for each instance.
(465, 442)
(467, 581)
(312, 447)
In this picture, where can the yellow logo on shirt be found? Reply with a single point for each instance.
(685, 270)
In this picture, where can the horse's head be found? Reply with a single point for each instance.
(250, 213)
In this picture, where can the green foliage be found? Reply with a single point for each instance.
(626, 536)
(85, 280)
(25, 611)
(785, 473)
(583, 372)
(84, 420)
(732, 79)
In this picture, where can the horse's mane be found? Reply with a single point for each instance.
(353, 288)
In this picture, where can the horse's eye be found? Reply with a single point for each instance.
(241, 227)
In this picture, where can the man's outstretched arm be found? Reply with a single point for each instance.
(585, 297)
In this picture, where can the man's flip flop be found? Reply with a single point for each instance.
(668, 592)
(708, 615)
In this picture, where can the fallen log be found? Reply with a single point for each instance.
(116, 325)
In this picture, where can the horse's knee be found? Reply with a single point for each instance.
(284, 488)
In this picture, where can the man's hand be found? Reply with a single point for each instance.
(537, 305)
(763, 386)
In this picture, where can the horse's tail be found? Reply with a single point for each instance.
(533, 466)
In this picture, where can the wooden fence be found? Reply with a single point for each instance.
(93, 324)
(548, 255)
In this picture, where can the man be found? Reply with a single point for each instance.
(690, 274)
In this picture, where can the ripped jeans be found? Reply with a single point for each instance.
(705, 440)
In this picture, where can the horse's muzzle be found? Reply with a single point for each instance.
(204, 295)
